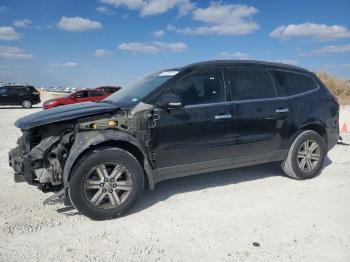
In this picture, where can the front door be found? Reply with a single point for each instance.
(261, 117)
(4, 99)
(200, 134)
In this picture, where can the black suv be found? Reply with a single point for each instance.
(199, 118)
(26, 96)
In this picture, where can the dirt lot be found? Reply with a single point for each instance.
(210, 217)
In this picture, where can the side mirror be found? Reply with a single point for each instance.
(171, 101)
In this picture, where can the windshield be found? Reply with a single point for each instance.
(134, 93)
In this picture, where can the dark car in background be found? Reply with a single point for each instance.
(109, 89)
(85, 95)
(199, 118)
(23, 95)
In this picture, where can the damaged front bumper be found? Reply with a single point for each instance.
(21, 163)
(39, 158)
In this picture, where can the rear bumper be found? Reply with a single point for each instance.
(36, 100)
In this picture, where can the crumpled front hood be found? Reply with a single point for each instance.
(63, 113)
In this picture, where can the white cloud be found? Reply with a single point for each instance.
(13, 52)
(100, 53)
(7, 33)
(67, 64)
(153, 48)
(222, 19)
(158, 33)
(22, 23)
(153, 7)
(78, 24)
(310, 30)
(330, 49)
(102, 9)
(131, 4)
(3, 9)
(235, 55)
(286, 61)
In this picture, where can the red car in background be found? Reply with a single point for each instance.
(86, 95)
(109, 89)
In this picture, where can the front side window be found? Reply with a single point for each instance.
(294, 83)
(81, 94)
(251, 84)
(200, 88)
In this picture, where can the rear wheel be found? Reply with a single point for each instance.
(106, 183)
(305, 157)
(26, 103)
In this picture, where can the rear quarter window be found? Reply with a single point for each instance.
(294, 83)
(17, 89)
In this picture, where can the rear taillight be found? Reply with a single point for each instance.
(36, 93)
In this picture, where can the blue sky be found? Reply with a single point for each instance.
(96, 42)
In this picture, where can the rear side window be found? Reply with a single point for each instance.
(294, 83)
(251, 84)
(95, 93)
(17, 89)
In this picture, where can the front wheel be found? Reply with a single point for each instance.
(106, 183)
(306, 155)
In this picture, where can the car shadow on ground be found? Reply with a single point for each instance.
(19, 107)
(169, 188)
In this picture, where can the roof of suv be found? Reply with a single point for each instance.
(247, 63)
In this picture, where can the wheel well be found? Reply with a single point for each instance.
(26, 98)
(132, 149)
(318, 129)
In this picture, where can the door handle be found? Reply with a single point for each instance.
(224, 116)
(282, 110)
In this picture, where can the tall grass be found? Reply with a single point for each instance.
(339, 87)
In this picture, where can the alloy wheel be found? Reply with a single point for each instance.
(26, 104)
(308, 155)
(107, 185)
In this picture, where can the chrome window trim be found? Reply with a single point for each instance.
(268, 70)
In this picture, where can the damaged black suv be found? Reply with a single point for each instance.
(200, 118)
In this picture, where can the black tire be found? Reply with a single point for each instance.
(26, 103)
(77, 183)
(292, 164)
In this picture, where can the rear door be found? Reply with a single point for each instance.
(262, 118)
(199, 135)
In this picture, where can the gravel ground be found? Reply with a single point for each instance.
(247, 214)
